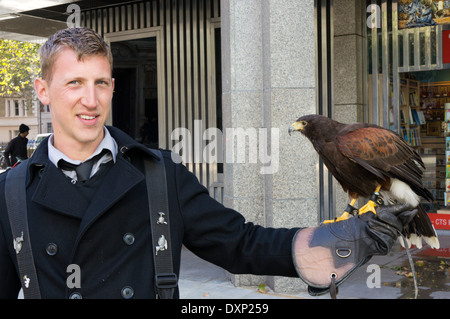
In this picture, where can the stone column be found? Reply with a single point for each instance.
(268, 60)
(7, 107)
(348, 84)
(349, 20)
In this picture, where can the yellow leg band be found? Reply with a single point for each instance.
(371, 205)
(344, 216)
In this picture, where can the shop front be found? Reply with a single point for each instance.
(408, 86)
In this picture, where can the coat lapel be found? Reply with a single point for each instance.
(120, 179)
(54, 190)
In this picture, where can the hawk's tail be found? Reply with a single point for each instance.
(420, 228)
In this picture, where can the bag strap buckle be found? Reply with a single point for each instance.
(165, 285)
(166, 280)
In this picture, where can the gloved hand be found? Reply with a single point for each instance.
(387, 224)
(325, 256)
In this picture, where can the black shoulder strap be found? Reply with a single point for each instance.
(16, 203)
(165, 278)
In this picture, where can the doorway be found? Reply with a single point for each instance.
(135, 100)
(124, 99)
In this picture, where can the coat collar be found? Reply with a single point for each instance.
(127, 144)
(127, 148)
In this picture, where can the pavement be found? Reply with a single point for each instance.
(383, 277)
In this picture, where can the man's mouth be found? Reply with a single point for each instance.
(87, 117)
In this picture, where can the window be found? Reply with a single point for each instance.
(15, 107)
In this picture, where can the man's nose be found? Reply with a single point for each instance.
(90, 96)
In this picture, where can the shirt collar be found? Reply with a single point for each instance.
(108, 143)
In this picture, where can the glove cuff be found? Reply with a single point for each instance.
(318, 257)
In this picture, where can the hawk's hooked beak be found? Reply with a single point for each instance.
(297, 126)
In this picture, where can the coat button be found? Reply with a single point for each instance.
(128, 239)
(127, 292)
(51, 249)
(75, 295)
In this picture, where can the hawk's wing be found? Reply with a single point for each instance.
(382, 152)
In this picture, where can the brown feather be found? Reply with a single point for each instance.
(385, 154)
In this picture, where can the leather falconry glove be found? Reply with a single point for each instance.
(325, 256)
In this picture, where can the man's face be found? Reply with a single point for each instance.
(79, 94)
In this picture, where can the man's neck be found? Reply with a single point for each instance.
(55, 154)
(76, 151)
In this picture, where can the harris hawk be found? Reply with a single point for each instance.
(368, 160)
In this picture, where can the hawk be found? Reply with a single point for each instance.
(372, 162)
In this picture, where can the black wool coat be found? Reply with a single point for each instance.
(67, 229)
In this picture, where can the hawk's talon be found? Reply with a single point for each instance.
(349, 211)
(375, 201)
(344, 216)
(369, 207)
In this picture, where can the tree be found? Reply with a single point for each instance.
(19, 66)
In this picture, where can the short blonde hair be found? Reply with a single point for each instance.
(83, 41)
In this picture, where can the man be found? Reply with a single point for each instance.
(101, 224)
(17, 147)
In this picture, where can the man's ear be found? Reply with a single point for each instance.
(41, 88)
